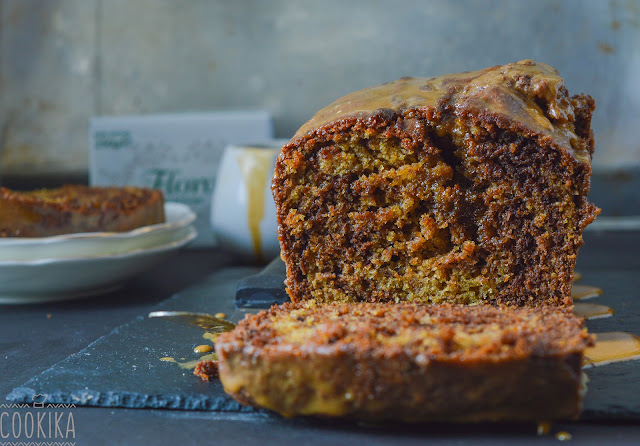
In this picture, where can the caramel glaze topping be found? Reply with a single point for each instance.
(525, 96)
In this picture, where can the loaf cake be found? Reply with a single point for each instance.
(467, 188)
(78, 208)
(407, 362)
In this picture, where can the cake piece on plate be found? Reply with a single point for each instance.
(78, 208)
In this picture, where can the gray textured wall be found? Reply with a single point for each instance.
(62, 61)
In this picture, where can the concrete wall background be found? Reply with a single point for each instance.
(63, 61)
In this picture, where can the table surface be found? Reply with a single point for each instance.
(34, 337)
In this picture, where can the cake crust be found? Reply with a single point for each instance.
(407, 362)
(526, 96)
(468, 188)
(78, 208)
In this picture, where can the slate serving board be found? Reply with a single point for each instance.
(123, 368)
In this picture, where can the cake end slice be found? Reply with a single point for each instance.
(408, 362)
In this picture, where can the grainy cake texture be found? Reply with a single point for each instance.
(78, 208)
(467, 188)
(408, 362)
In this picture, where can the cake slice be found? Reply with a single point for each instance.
(467, 188)
(407, 362)
(78, 208)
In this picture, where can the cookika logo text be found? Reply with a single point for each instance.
(45, 422)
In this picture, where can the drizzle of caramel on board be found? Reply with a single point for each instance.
(563, 436)
(190, 365)
(255, 165)
(203, 348)
(592, 311)
(544, 428)
(211, 337)
(582, 292)
(611, 347)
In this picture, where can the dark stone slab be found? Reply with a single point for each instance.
(123, 368)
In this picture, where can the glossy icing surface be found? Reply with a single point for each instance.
(526, 95)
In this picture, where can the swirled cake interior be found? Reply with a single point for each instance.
(468, 188)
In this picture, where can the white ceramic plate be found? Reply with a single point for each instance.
(44, 280)
(178, 216)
